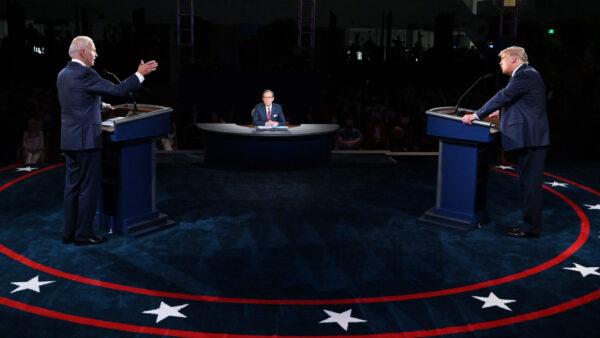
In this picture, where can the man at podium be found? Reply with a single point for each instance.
(525, 132)
(79, 92)
(268, 113)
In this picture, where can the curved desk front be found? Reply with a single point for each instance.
(299, 146)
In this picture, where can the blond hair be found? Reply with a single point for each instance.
(515, 51)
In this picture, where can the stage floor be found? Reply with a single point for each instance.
(289, 253)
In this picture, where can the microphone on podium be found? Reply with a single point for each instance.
(135, 108)
(486, 76)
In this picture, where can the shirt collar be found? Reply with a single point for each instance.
(515, 71)
(78, 61)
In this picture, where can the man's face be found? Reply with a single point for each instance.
(89, 54)
(508, 63)
(268, 98)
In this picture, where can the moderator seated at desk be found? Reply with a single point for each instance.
(232, 144)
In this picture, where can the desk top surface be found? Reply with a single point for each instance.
(292, 131)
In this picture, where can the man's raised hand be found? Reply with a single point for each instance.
(146, 68)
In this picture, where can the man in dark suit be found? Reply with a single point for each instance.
(525, 132)
(268, 113)
(79, 92)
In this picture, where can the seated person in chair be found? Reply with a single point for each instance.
(33, 142)
(268, 113)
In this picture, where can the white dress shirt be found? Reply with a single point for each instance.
(269, 110)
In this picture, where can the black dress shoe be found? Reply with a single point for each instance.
(67, 240)
(90, 241)
(517, 232)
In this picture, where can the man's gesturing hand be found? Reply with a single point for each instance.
(146, 68)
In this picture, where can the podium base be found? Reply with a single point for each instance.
(434, 216)
(150, 226)
(136, 226)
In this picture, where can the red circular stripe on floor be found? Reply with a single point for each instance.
(590, 297)
(26, 176)
(581, 239)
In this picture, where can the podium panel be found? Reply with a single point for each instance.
(462, 169)
(128, 204)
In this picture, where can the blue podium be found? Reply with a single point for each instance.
(128, 204)
(462, 169)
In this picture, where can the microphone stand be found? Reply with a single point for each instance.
(486, 76)
(131, 97)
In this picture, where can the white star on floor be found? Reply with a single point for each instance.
(165, 311)
(505, 167)
(342, 319)
(32, 284)
(593, 207)
(557, 184)
(28, 169)
(585, 271)
(493, 300)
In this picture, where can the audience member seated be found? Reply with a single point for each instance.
(399, 141)
(377, 134)
(33, 142)
(169, 143)
(348, 138)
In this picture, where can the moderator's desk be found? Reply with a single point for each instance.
(300, 146)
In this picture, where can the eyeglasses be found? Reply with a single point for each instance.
(268, 97)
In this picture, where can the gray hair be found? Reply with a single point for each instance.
(268, 91)
(515, 51)
(78, 43)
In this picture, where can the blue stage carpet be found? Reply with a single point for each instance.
(331, 251)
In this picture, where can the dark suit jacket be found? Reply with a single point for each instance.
(523, 118)
(79, 91)
(259, 114)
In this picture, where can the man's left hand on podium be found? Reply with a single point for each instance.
(469, 118)
(495, 114)
(107, 107)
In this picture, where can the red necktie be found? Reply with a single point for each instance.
(269, 113)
